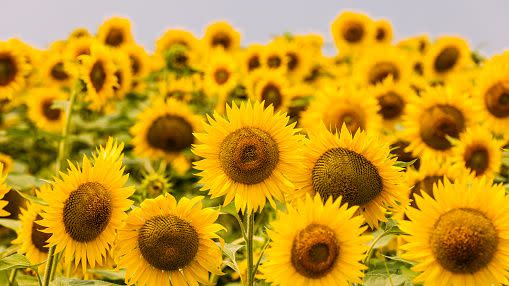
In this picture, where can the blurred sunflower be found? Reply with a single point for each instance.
(98, 72)
(7, 162)
(123, 73)
(431, 120)
(30, 237)
(274, 57)
(164, 129)
(179, 88)
(41, 110)
(80, 32)
(251, 58)
(491, 95)
(357, 168)
(380, 63)
(248, 156)
(221, 35)
(13, 68)
(478, 151)
(139, 61)
(115, 32)
(419, 44)
(78, 47)
(460, 236)
(272, 89)
(4, 189)
(383, 31)
(298, 61)
(446, 56)
(177, 37)
(168, 243)
(352, 31)
(87, 206)
(55, 71)
(221, 74)
(316, 244)
(347, 105)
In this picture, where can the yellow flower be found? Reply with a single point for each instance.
(221, 35)
(251, 58)
(55, 71)
(272, 89)
(13, 68)
(248, 156)
(383, 31)
(221, 74)
(316, 244)
(115, 32)
(460, 236)
(80, 32)
(87, 206)
(356, 168)
(419, 44)
(41, 110)
(274, 58)
(139, 61)
(352, 31)
(164, 129)
(123, 73)
(446, 56)
(177, 37)
(4, 189)
(165, 241)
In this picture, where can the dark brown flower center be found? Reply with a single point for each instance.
(135, 64)
(271, 94)
(293, 61)
(354, 33)
(391, 105)
(497, 99)
(87, 211)
(170, 133)
(39, 238)
(115, 37)
(477, 159)
(8, 69)
(380, 34)
(221, 39)
(221, 76)
(342, 172)
(464, 240)
(58, 72)
(381, 71)
(168, 242)
(253, 62)
(418, 69)
(438, 122)
(274, 61)
(315, 250)
(50, 112)
(446, 59)
(249, 155)
(98, 76)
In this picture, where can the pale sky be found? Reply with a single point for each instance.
(483, 23)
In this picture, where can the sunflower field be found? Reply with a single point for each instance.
(205, 162)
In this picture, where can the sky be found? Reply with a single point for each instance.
(39, 22)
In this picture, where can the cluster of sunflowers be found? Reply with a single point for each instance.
(381, 165)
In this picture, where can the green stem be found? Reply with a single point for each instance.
(249, 219)
(51, 262)
(12, 277)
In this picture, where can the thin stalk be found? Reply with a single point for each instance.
(249, 218)
(12, 277)
(51, 262)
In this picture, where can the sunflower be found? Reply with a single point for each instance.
(272, 89)
(78, 47)
(383, 31)
(221, 35)
(347, 105)
(123, 73)
(179, 88)
(6, 161)
(13, 68)
(419, 44)
(30, 237)
(477, 151)
(87, 206)
(55, 71)
(98, 72)
(115, 32)
(41, 110)
(4, 189)
(177, 37)
(358, 168)
(460, 236)
(139, 61)
(380, 63)
(298, 60)
(439, 114)
(248, 155)
(446, 56)
(392, 100)
(164, 129)
(316, 244)
(491, 95)
(351, 31)
(251, 58)
(274, 57)
(311, 42)
(221, 74)
(80, 32)
(168, 243)
(237, 95)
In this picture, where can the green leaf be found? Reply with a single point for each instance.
(376, 279)
(110, 275)
(14, 261)
(32, 199)
(77, 282)
(22, 181)
(26, 280)
(230, 250)
(399, 259)
(10, 223)
(402, 164)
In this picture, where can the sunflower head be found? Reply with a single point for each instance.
(458, 236)
(221, 74)
(272, 89)
(176, 37)
(4, 189)
(383, 31)
(251, 58)
(446, 56)
(115, 32)
(79, 32)
(41, 108)
(351, 31)
(221, 35)
(380, 63)
(13, 68)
